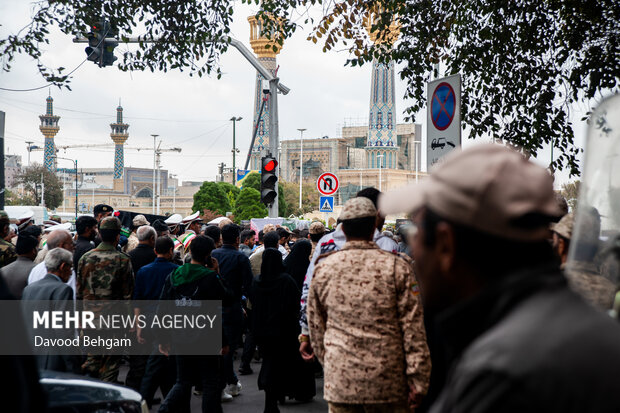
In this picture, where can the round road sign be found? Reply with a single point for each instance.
(327, 184)
(443, 106)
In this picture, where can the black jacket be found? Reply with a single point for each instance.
(140, 256)
(529, 344)
(82, 246)
(235, 269)
(195, 282)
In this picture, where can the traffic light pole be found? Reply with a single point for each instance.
(274, 140)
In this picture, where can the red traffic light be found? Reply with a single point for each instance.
(271, 165)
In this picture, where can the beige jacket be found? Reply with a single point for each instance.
(366, 326)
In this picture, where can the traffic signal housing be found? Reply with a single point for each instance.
(268, 180)
(94, 51)
(101, 44)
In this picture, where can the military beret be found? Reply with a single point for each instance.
(112, 223)
(100, 208)
(316, 227)
(160, 226)
(359, 207)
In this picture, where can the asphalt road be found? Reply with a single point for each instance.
(251, 400)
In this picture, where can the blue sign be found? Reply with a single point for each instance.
(443, 106)
(326, 204)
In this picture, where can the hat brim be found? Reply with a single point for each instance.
(404, 200)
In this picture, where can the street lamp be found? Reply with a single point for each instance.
(154, 167)
(234, 148)
(76, 181)
(301, 161)
(380, 158)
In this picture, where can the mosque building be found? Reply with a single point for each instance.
(123, 187)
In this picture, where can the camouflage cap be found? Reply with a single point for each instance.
(359, 207)
(139, 220)
(564, 228)
(4, 216)
(112, 223)
(316, 227)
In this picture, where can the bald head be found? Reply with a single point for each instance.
(61, 238)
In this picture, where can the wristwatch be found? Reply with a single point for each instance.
(303, 338)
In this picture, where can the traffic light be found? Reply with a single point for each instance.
(94, 51)
(109, 44)
(101, 44)
(268, 180)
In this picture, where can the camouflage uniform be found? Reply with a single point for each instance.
(366, 323)
(132, 242)
(104, 273)
(585, 279)
(7, 249)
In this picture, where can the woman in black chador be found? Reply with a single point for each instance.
(275, 302)
(297, 262)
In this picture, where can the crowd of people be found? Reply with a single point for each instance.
(473, 306)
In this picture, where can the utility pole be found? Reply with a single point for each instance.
(2, 181)
(301, 161)
(274, 139)
(42, 191)
(174, 193)
(29, 149)
(234, 149)
(380, 157)
(158, 162)
(417, 171)
(154, 150)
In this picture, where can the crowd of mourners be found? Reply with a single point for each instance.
(475, 305)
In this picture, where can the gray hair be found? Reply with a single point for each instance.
(56, 257)
(145, 232)
(55, 238)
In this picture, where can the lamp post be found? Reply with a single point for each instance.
(174, 193)
(234, 149)
(417, 171)
(154, 155)
(380, 158)
(301, 161)
(75, 162)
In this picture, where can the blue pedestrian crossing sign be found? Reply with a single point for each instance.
(326, 204)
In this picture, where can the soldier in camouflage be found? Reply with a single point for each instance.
(105, 273)
(7, 249)
(366, 322)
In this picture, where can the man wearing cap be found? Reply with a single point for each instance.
(101, 211)
(516, 337)
(26, 220)
(315, 233)
(333, 242)
(7, 249)
(105, 273)
(582, 273)
(138, 221)
(366, 323)
(192, 224)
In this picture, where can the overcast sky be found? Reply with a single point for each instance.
(189, 112)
